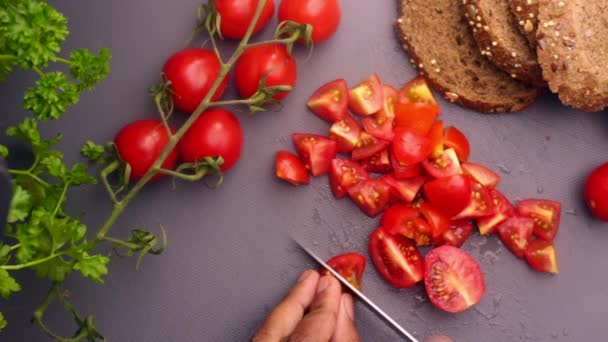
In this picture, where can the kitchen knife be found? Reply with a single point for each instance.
(6, 193)
(373, 307)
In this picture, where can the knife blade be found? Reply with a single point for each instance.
(368, 302)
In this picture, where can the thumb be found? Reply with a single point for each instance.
(346, 329)
(437, 338)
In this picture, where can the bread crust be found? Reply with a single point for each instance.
(526, 13)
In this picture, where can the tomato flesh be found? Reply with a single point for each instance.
(378, 163)
(541, 256)
(396, 258)
(409, 147)
(481, 174)
(292, 169)
(546, 216)
(371, 196)
(345, 174)
(368, 146)
(443, 166)
(439, 222)
(453, 279)
(367, 97)
(503, 209)
(316, 151)
(404, 190)
(404, 220)
(350, 266)
(515, 233)
(596, 192)
(436, 137)
(417, 116)
(417, 90)
(380, 124)
(402, 171)
(454, 138)
(480, 204)
(346, 133)
(330, 101)
(238, 14)
(457, 233)
(449, 195)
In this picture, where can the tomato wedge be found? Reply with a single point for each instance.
(330, 101)
(416, 116)
(371, 196)
(367, 97)
(404, 172)
(378, 163)
(404, 190)
(416, 90)
(410, 147)
(368, 146)
(345, 174)
(316, 151)
(439, 222)
(449, 195)
(406, 221)
(515, 233)
(453, 279)
(443, 166)
(346, 133)
(457, 233)
(396, 258)
(480, 204)
(436, 137)
(292, 169)
(503, 209)
(380, 124)
(453, 138)
(546, 216)
(481, 174)
(541, 256)
(350, 266)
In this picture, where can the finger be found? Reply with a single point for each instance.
(286, 315)
(320, 322)
(346, 329)
(438, 338)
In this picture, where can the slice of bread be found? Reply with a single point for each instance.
(526, 13)
(497, 36)
(440, 44)
(572, 37)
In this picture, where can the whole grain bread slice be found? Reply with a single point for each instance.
(495, 31)
(440, 44)
(526, 13)
(572, 49)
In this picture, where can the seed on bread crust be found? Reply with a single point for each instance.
(526, 13)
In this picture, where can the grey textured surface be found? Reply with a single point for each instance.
(230, 259)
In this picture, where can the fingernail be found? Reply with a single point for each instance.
(323, 283)
(305, 275)
(349, 306)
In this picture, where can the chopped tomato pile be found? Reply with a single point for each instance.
(399, 161)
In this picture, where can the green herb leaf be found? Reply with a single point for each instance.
(78, 175)
(88, 68)
(21, 205)
(54, 164)
(8, 284)
(4, 254)
(27, 130)
(2, 322)
(51, 97)
(92, 151)
(3, 151)
(92, 266)
(55, 269)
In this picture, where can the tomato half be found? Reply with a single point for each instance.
(481, 174)
(344, 174)
(480, 204)
(378, 163)
(270, 60)
(541, 256)
(217, 132)
(445, 165)
(350, 266)
(503, 209)
(457, 233)
(371, 196)
(292, 169)
(453, 279)
(436, 136)
(415, 115)
(402, 171)
(417, 90)
(409, 147)
(140, 143)
(323, 15)
(346, 133)
(546, 216)
(439, 222)
(449, 195)
(316, 151)
(515, 233)
(368, 146)
(404, 190)
(367, 97)
(237, 16)
(596, 192)
(330, 101)
(192, 72)
(453, 138)
(396, 258)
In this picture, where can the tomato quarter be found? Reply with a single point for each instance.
(503, 209)
(396, 258)
(371, 196)
(454, 138)
(409, 147)
(515, 233)
(368, 146)
(402, 171)
(457, 233)
(343, 175)
(292, 169)
(480, 203)
(481, 174)
(546, 216)
(367, 97)
(378, 163)
(350, 266)
(316, 151)
(330, 101)
(236, 16)
(346, 133)
(445, 165)
(541, 256)
(417, 90)
(404, 220)
(439, 222)
(404, 190)
(596, 192)
(449, 195)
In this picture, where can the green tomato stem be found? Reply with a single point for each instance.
(39, 313)
(104, 179)
(119, 242)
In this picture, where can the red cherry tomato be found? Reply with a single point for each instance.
(396, 258)
(596, 192)
(192, 72)
(292, 169)
(217, 132)
(238, 14)
(323, 15)
(140, 143)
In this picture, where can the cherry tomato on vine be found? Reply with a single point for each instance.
(596, 192)
(140, 143)
(238, 14)
(217, 132)
(270, 60)
(192, 73)
(323, 15)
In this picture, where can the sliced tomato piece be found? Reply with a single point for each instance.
(453, 138)
(416, 116)
(396, 258)
(503, 209)
(404, 190)
(367, 97)
(546, 216)
(443, 166)
(541, 256)
(439, 222)
(378, 163)
(379, 126)
(515, 233)
(480, 204)
(404, 172)
(417, 90)
(330, 101)
(436, 137)
(371, 196)
(449, 195)
(350, 266)
(409, 147)
(368, 146)
(453, 279)
(346, 133)
(292, 169)
(481, 174)
(316, 151)
(457, 233)
(391, 96)
(345, 174)
(404, 220)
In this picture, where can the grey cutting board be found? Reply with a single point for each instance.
(229, 258)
